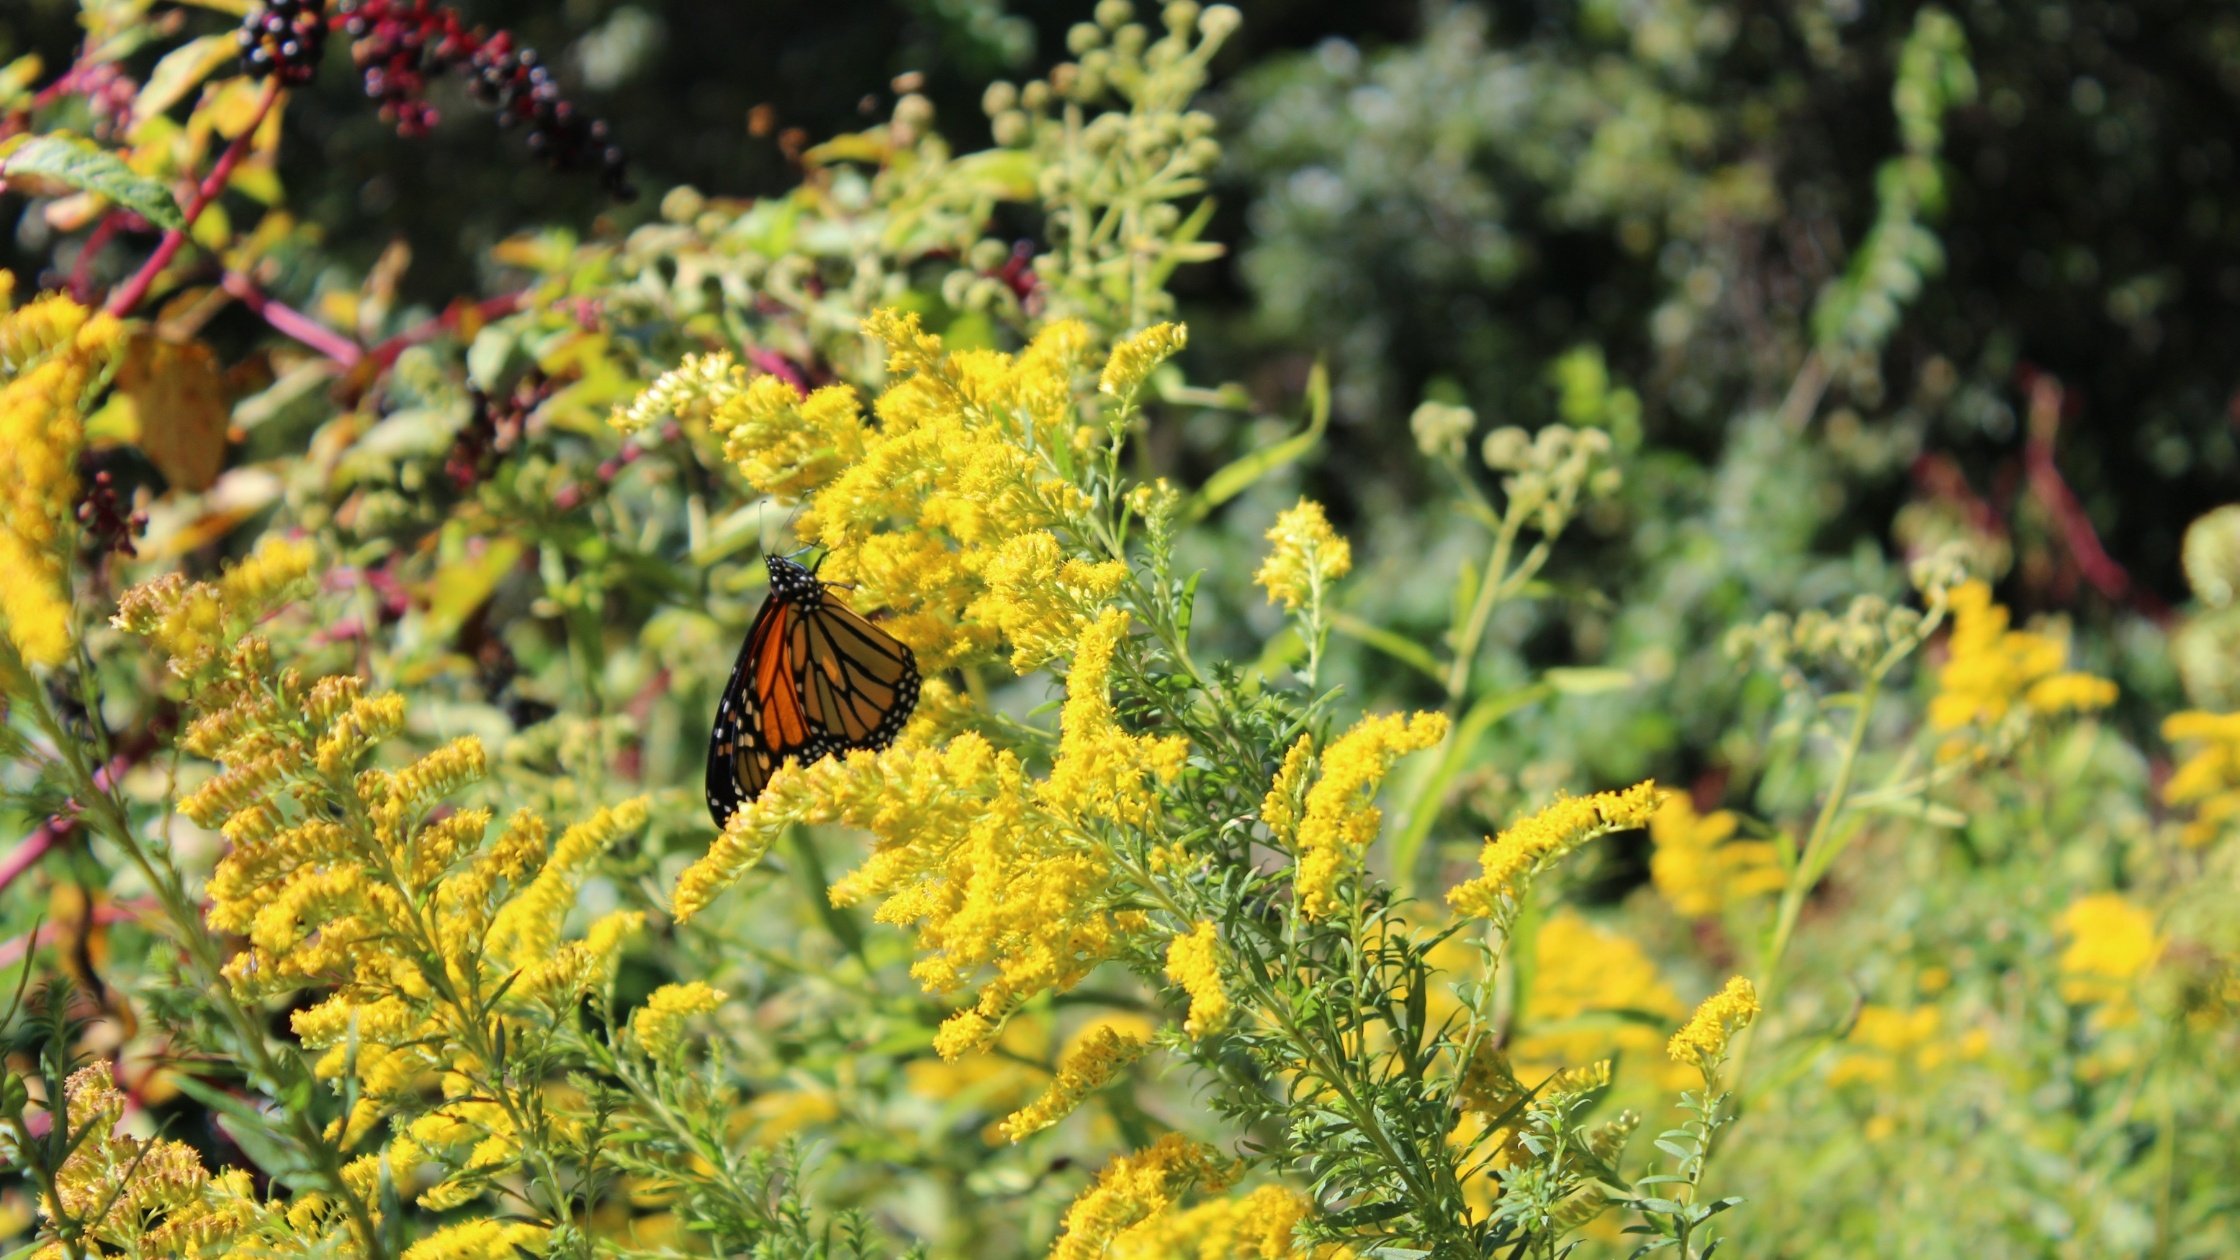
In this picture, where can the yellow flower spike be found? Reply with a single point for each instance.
(1087, 1068)
(1698, 865)
(1134, 359)
(1263, 1223)
(1510, 859)
(364, 724)
(2207, 777)
(1339, 822)
(1102, 772)
(659, 1024)
(52, 352)
(1992, 669)
(2111, 941)
(1280, 808)
(1308, 555)
(691, 392)
(1702, 1041)
(1135, 1188)
(1194, 962)
(479, 1240)
(266, 577)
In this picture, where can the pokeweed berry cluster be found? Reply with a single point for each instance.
(284, 37)
(399, 46)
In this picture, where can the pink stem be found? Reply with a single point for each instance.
(291, 322)
(779, 366)
(36, 846)
(498, 307)
(128, 297)
(2052, 489)
(81, 273)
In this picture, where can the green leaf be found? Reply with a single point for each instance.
(1233, 479)
(1588, 682)
(1397, 646)
(1423, 800)
(73, 163)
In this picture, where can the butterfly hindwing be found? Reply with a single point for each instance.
(813, 679)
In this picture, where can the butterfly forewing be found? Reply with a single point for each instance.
(813, 679)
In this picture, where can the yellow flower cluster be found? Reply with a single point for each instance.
(1582, 974)
(1510, 859)
(658, 1024)
(1260, 1225)
(999, 872)
(1338, 822)
(1308, 555)
(153, 1197)
(1699, 866)
(53, 354)
(2111, 942)
(1702, 1041)
(433, 944)
(2208, 779)
(1992, 669)
(479, 1240)
(1885, 1042)
(947, 513)
(1087, 1067)
(194, 623)
(1135, 1189)
(1194, 962)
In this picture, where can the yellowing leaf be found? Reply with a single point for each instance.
(179, 407)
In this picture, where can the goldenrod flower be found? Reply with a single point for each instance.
(1086, 1068)
(1992, 669)
(1194, 962)
(2208, 778)
(479, 1240)
(53, 352)
(1339, 822)
(1702, 1041)
(691, 392)
(1582, 975)
(1700, 867)
(1308, 555)
(1132, 1189)
(1280, 808)
(1522, 850)
(2111, 942)
(1136, 356)
(659, 1022)
(1261, 1224)
(1887, 1046)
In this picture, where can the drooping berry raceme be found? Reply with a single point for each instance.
(399, 46)
(284, 37)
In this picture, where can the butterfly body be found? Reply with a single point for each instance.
(814, 679)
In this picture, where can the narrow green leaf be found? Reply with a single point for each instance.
(1232, 480)
(1397, 646)
(73, 163)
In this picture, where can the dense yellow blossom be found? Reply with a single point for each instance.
(2208, 778)
(151, 1197)
(1992, 669)
(1004, 876)
(658, 1024)
(1085, 1068)
(1133, 1189)
(1260, 1225)
(1194, 962)
(1702, 1041)
(1523, 849)
(1338, 822)
(1891, 1047)
(425, 945)
(1280, 808)
(1308, 555)
(690, 392)
(1134, 358)
(1582, 975)
(53, 352)
(479, 1240)
(2111, 941)
(1700, 867)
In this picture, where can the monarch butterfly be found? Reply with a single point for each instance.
(813, 679)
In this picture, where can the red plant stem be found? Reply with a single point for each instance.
(128, 297)
(2093, 562)
(291, 322)
(81, 272)
(779, 366)
(37, 845)
(498, 307)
